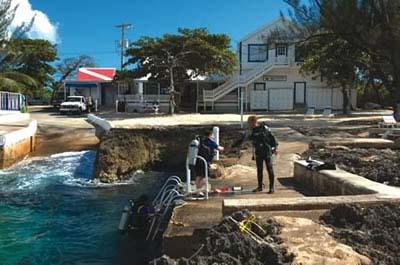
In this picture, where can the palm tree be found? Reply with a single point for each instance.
(12, 80)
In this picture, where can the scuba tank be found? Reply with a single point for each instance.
(193, 151)
(126, 214)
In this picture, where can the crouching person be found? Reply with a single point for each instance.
(207, 149)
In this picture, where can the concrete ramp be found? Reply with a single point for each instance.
(230, 206)
(338, 186)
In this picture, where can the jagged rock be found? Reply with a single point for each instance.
(225, 244)
(381, 165)
(373, 231)
(159, 149)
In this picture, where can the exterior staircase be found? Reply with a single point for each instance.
(240, 80)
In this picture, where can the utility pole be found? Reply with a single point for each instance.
(123, 27)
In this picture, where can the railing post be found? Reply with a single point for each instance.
(216, 138)
(241, 108)
(206, 174)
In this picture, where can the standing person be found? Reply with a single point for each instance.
(265, 145)
(207, 149)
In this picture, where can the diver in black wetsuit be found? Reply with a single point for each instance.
(265, 145)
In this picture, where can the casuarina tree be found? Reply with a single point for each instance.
(179, 57)
(68, 67)
(10, 79)
(348, 41)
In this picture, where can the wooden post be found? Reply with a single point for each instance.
(197, 96)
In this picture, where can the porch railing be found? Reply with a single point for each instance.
(144, 98)
(11, 101)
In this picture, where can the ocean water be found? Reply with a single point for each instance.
(51, 212)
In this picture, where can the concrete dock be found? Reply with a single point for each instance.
(17, 137)
(190, 219)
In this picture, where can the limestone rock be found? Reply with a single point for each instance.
(163, 149)
(312, 244)
(217, 171)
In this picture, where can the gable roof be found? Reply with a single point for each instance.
(269, 24)
(95, 74)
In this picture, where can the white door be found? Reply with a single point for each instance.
(300, 91)
(259, 100)
(281, 53)
(281, 99)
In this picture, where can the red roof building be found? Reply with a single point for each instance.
(95, 74)
(94, 82)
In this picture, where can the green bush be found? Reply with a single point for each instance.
(24, 109)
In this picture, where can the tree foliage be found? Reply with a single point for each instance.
(11, 79)
(348, 41)
(179, 57)
(68, 67)
(33, 58)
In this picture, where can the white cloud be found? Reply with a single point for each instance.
(42, 27)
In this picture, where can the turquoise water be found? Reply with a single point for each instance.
(51, 212)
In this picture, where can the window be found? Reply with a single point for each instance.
(281, 49)
(151, 88)
(259, 86)
(300, 51)
(258, 53)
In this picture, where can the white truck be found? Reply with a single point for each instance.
(74, 104)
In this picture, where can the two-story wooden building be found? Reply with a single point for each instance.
(269, 79)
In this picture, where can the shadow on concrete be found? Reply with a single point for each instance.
(291, 183)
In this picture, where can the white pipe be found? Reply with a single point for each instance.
(95, 105)
(116, 106)
(216, 138)
(241, 108)
(188, 177)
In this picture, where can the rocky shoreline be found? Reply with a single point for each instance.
(163, 149)
(226, 243)
(372, 231)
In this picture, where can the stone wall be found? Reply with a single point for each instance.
(16, 145)
(11, 154)
(339, 182)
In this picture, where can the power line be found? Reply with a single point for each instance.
(123, 27)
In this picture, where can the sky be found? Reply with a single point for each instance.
(88, 26)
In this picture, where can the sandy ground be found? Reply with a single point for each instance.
(124, 120)
(61, 133)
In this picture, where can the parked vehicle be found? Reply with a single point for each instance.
(74, 104)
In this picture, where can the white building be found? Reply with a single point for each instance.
(269, 78)
(95, 83)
